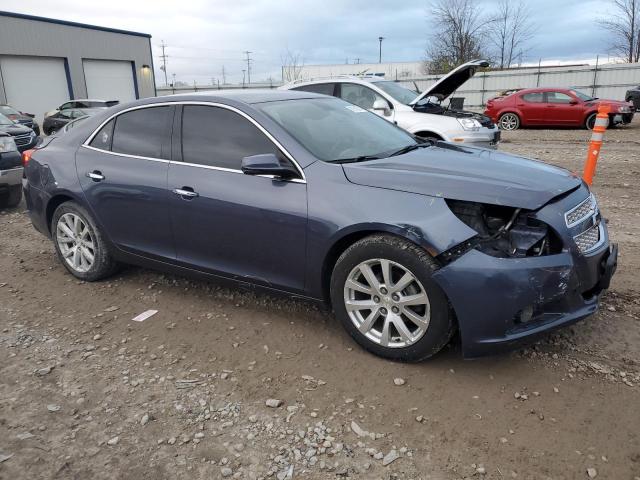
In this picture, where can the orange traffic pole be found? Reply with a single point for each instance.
(602, 120)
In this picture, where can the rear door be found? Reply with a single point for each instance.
(123, 173)
(562, 109)
(246, 227)
(532, 107)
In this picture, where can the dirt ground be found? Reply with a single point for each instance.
(85, 393)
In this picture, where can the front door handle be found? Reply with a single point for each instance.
(185, 192)
(96, 176)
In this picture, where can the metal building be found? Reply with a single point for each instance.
(45, 62)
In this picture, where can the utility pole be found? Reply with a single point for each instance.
(248, 53)
(243, 71)
(164, 62)
(380, 49)
(224, 76)
(358, 60)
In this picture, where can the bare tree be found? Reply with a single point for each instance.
(292, 65)
(623, 23)
(509, 32)
(460, 30)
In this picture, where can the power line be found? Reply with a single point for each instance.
(248, 53)
(164, 63)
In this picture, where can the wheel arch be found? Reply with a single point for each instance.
(54, 202)
(348, 237)
(424, 133)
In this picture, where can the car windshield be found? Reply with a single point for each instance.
(4, 120)
(397, 91)
(7, 110)
(334, 130)
(582, 96)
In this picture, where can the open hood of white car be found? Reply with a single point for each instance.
(452, 80)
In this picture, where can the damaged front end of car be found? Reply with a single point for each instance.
(525, 271)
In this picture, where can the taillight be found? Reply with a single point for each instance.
(26, 156)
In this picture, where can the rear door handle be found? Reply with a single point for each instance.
(185, 192)
(96, 176)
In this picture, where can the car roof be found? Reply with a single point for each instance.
(247, 96)
(335, 79)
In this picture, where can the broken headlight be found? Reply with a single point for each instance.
(504, 232)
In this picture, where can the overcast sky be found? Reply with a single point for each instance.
(202, 36)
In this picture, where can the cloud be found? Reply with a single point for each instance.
(203, 36)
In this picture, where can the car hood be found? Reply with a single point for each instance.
(15, 129)
(452, 80)
(464, 173)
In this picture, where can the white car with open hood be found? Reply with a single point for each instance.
(420, 114)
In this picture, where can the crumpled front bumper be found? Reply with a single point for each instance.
(501, 302)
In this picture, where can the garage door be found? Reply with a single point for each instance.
(34, 84)
(109, 80)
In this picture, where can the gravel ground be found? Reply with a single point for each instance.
(225, 383)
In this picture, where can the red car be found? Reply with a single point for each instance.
(553, 107)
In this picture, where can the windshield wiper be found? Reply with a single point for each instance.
(410, 148)
(361, 158)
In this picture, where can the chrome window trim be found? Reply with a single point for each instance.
(273, 140)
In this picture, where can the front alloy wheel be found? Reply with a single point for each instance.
(387, 303)
(383, 292)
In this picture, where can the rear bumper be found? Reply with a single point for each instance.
(492, 297)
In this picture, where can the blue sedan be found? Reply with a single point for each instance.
(407, 240)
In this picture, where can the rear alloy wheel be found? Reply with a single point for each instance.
(79, 244)
(509, 121)
(383, 293)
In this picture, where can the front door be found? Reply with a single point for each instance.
(562, 109)
(250, 228)
(123, 175)
(364, 97)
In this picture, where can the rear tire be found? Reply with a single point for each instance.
(509, 121)
(81, 246)
(394, 306)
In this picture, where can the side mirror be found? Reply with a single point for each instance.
(381, 105)
(268, 164)
(573, 102)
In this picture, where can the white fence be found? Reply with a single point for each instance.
(604, 81)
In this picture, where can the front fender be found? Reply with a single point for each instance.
(346, 212)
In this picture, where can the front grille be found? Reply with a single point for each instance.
(26, 123)
(584, 210)
(588, 239)
(23, 139)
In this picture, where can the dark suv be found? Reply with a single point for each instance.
(633, 95)
(407, 239)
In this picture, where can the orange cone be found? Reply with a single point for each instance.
(602, 120)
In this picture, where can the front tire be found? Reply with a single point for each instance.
(80, 245)
(383, 292)
(509, 121)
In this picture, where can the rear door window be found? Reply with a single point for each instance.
(144, 132)
(323, 88)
